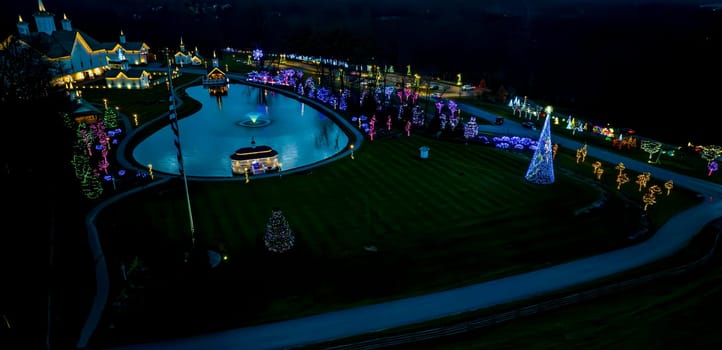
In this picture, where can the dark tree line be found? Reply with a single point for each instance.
(42, 212)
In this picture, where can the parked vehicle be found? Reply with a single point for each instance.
(529, 125)
(467, 87)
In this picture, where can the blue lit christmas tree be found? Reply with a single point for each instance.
(279, 237)
(541, 168)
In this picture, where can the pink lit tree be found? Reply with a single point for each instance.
(86, 138)
(712, 167)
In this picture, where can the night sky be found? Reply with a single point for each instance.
(650, 65)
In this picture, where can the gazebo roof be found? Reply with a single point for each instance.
(254, 152)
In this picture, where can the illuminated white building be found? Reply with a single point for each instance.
(75, 55)
(184, 57)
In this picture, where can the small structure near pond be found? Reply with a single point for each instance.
(254, 160)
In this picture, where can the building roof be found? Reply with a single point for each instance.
(254, 152)
(130, 73)
(60, 43)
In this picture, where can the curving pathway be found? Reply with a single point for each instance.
(670, 238)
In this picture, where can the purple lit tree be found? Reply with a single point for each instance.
(471, 129)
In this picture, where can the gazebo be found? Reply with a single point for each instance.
(254, 160)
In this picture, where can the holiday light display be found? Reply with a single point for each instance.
(655, 189)
(595, 167)
(471, 129)
(110, 117)
(712, 167)
(91, 186)
(257, 54)
(599, 173)
(622, 179)
(642, 180)
(620, 167)
(651, 147)
(407, 128)
(710, 153)
(279, 237)
(555, 149)
(417, 116)
(541, 168)
(582, 154)
(648, 199)
(668, 186)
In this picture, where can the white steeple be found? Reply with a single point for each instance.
(65, 23)
(44, 20)
(122, 37)
(23, 27)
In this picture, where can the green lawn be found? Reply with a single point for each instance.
(383, 225)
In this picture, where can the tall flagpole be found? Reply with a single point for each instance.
(174, 125)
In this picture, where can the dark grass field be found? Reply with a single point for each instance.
(384, 225)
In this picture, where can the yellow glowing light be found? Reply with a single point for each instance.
(668, 186)
(642, 180)
(620, 167)
(622, 179)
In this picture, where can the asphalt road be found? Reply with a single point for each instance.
(673, 236)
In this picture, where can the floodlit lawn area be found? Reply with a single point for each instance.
(385, 225)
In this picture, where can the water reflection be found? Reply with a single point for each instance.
(300, 134)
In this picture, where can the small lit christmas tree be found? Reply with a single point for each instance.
(279, 237)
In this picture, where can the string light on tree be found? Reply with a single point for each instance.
(668, 186)
(541, 167)
(651, 147)
(620, 167)
(599, 173)
(642, 180)
(648, 199)
(622, 179)
(279, 237)
(712, 167)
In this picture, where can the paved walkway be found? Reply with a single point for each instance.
(673, 236)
